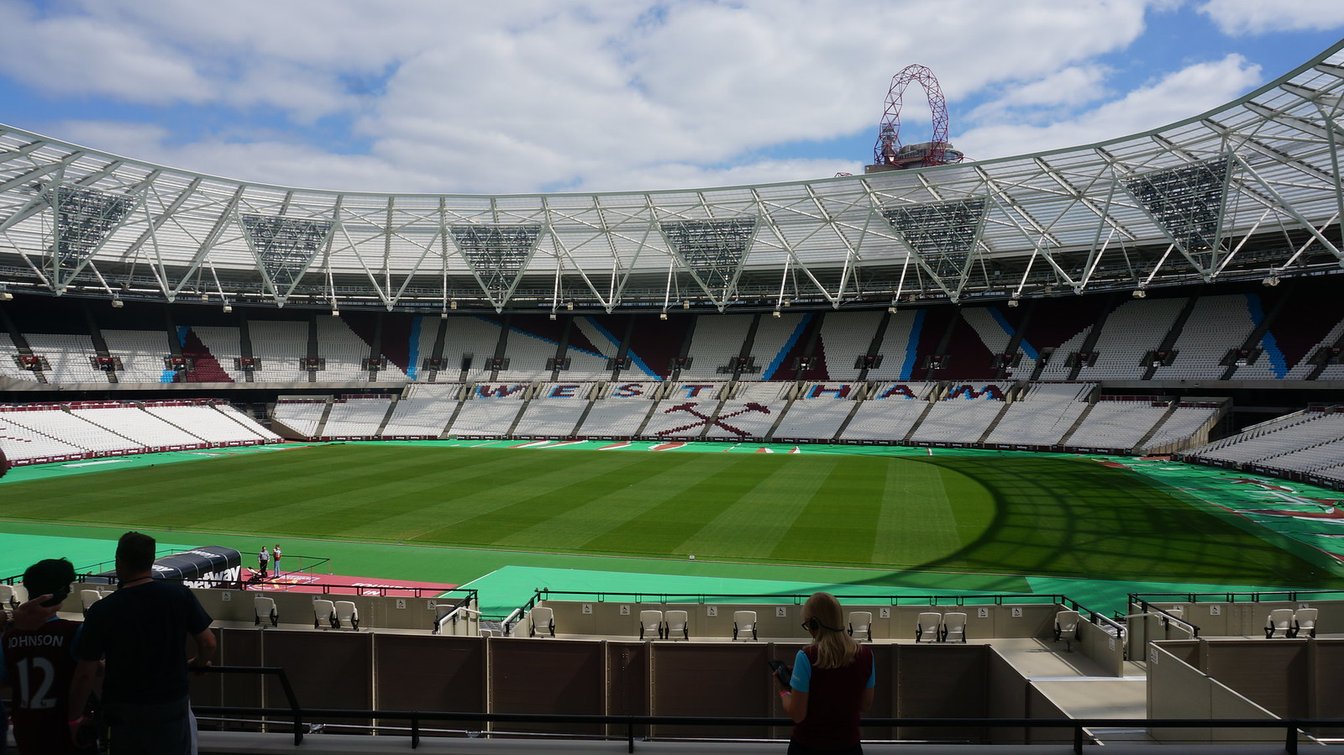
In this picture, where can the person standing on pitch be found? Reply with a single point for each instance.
(833, 682)
(275, 561)
(141, 632)
(262, 559)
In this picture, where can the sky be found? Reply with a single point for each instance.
(525, 96)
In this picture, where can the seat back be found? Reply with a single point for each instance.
(264, 608)
(744, 623)
(926, 626)
(6, 595)
(88, 597)
(650, 624)
(347, 613)
(1280, 621)
(20, 595)
(861, 624)
(954, 626)
(1066, 622)
(1305, 619)
(323, 611)
(677, 624)
(542, 622)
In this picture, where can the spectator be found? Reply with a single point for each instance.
(275, 559)
(141, 631)
(262, 558)
(832, 684)
(38, 663)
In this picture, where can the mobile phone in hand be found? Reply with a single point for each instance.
(783, 673)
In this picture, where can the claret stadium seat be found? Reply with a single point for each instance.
(743, 622)
(542, 623)
(347, 614)
(650, 623)
(324, 610)
(264, 606)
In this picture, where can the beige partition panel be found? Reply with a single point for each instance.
(1040, 706)
(1006, 693)
(1326, 698)
(1178, 690)
(296, 608)
(1102, 646)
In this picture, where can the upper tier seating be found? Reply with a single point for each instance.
(1217, 325)
(716, 341)
(69, 356)
(470, 337)
(225, 345)
(422, 349)
(141, 353)
(1133, 329)
(845, 336)
(343, 352)
(9, 367)
(279, 346)
(898, 346)
(996, 335)
(527, 354)
(775, 337)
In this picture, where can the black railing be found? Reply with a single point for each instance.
(1259, 596)
(295, 713)
(1292, 728)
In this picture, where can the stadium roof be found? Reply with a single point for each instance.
(1250, 190)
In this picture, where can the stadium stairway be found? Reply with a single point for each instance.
(1077, 423)
(1171, 409)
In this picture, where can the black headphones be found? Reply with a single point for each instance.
(814, 625)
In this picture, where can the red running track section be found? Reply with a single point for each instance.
(342, 584)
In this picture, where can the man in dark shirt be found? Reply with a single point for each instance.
(140, 631)
(38, 663)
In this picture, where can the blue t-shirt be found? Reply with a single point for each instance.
(801, 681)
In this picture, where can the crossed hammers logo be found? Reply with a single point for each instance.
(705, 419)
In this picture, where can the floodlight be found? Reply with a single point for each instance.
(662, 315)
(227, 309)
(117, 304)
(775, 313)
(335, 312)
(1139, 293)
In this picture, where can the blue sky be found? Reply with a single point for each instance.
(542, 95)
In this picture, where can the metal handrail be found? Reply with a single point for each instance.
(1292, 727)
(294, 710)
(1257, 596)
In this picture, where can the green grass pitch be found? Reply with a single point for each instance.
(1018, 515)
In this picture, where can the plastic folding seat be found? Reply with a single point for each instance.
(264, 606)
(1304, 619)
(88, 597)
(1066, 627)
(324, 610)
(347, 613)
(542, 623)
(7, 597)
(743, 622)
(676, 623)
(928, 623)
(1280, 622)
(954, 627)
(861, 624)
(650, 622)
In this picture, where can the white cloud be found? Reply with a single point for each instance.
(513, 97)
(1179, 95)
(1251, 17)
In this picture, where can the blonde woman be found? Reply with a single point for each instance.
(832, 684)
